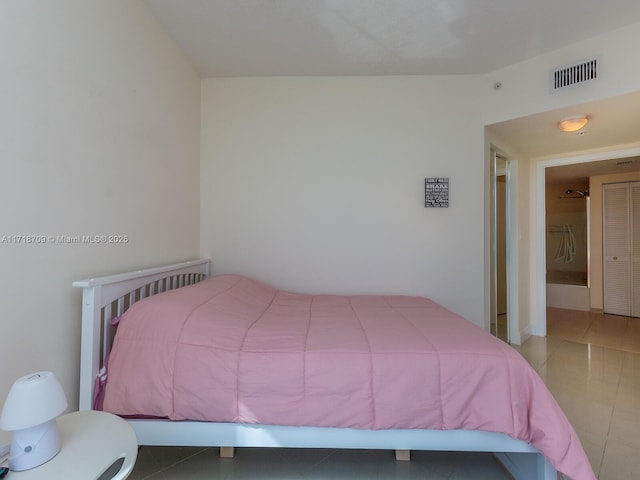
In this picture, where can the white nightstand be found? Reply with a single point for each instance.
(95, 446)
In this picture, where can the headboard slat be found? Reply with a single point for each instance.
(99, 297)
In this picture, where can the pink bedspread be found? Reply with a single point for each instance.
(231, 349)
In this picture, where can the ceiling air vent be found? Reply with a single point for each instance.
(575, 74)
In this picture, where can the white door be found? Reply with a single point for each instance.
(634, 189)
(621, 225)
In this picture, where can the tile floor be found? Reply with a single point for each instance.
(613, 331)
(590, 362)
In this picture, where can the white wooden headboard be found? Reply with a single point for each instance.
(104, 298)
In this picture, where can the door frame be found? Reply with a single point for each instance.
(511, 177)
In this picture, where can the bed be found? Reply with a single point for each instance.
(231, 362)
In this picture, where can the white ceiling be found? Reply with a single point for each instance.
(572, 175)
(612, 121)
(388, 37)
(378, 37)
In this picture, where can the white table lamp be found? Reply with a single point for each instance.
(30, 412)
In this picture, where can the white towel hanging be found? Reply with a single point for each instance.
(567, 247)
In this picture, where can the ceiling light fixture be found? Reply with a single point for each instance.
(573, 124)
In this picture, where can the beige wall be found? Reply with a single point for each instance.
(317, 184)
(526, 86)
(99, 134)
(597, 261)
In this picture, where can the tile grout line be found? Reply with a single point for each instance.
(182, 460)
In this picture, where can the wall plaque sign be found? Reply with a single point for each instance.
(436, 192)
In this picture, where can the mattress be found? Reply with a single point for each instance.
(232, 349)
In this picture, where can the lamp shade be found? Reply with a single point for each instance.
(33, 399)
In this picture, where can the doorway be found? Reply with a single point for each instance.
(602, 163)
(500, 310)
(567, 227)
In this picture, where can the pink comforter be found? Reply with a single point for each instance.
(231, 349)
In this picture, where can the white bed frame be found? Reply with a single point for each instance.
(107, 297)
